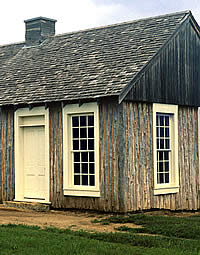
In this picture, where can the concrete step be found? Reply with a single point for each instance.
(39, 207)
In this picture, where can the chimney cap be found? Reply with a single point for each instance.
(39, 18)
(39, 29)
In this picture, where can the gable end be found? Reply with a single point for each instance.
(168, 68)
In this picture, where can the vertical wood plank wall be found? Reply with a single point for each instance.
(56, 155)
(110, 175)
(139, 160)
(126, 160)
(7, 185)
(138, 163)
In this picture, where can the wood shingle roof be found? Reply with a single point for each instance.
(86, 64)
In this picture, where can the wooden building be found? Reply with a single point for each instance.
(103, 119)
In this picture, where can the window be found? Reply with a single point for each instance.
(81, 159)
(165, 131)
(163, 148)
(83, 149)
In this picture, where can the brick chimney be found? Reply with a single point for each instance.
(38, 29)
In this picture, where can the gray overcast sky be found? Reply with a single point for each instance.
(72, 15)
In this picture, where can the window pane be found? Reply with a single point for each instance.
(83, 144)
(166, 166)
(75, 144)
(160, 166)
(77, 168)
(166, 155)
(75, 121)
(166, 132)
(160, 156)
(90, 120)
(157, 132)
(158, 178)
(92, 180)
(161, 143)
(84, 156)
(158, 144)
(76, 156)
(162, 132)
(167, 178)
(91, 168)
(82, 121)
(85, 168)
(157, 120)
(91, 144)
(166, 120)
(76, 179)
(161, 178)
(91, 132)
(75, 133)
(83, 133)
(84, 179)
(167, 144)
(91, 156)
(161, 120)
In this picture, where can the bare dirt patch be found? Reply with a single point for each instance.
(59, 219)
(75, 220)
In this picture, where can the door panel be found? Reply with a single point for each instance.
(34, 162)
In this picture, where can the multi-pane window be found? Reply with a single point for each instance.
(163, 147)
(83, 149)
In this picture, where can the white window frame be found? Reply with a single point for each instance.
(173, 185)
(68, 187)
(18, 132)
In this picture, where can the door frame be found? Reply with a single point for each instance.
(20, 122)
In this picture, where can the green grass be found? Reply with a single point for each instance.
(32, 240)
(169, 226)
(173, 235)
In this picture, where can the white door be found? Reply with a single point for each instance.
(35, 183)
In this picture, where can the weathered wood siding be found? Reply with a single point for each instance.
(111, 192)
(126, 160)
(110, 175)
(138, 150)
(138, 167)
(7, 184)
(174, 74)
(56, 155)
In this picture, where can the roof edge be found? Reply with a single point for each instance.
(12, 44)
(195, 24)
(126, 89)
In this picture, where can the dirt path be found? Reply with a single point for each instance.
(74, 220)
(60, 219)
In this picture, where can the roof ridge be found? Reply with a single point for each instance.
(11, 44)
(104, 26)
(121, 23)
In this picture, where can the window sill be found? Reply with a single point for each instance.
(81, 193)
(166, 190)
